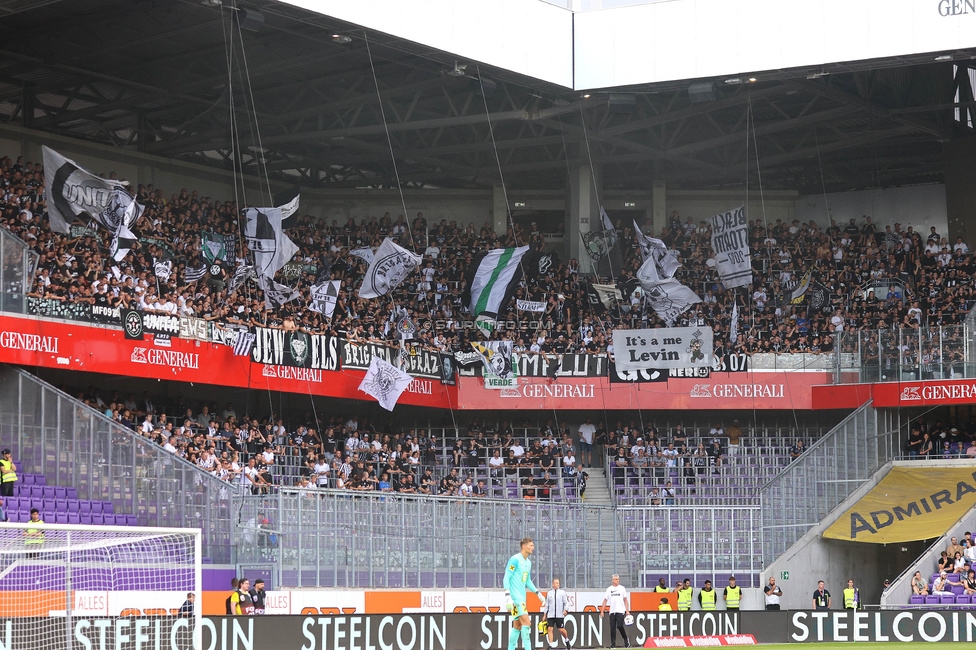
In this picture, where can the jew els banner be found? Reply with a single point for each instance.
(671, 347)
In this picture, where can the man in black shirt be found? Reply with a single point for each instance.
(821, 597)
(258, 595)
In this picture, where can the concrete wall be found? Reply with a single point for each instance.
(921, 207)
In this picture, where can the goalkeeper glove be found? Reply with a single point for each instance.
(509, 604)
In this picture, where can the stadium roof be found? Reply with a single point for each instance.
(153, 77)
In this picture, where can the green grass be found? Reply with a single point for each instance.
(867, 646)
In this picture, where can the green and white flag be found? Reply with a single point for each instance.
(491, 282)
(214, 247)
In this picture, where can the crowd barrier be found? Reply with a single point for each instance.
(485, 631)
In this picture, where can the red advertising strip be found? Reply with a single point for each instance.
(699, 641)
(925, 393)
(72, 346)
(86, 348)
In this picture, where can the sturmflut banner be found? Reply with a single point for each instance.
(730, 242)
(670, 347)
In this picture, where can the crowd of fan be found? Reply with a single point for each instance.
(933, 277)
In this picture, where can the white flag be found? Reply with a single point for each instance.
(734, 325)
(390, 266)
(531, 305)
(324, 297)
(122, 243)
(364, 253)
(271, 246)
(730, 243)
(654, 249)
(163, 269)
(384, 382)
(669, 298)
(276, 295)
(75, 192)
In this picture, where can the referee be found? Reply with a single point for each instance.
(556, 609)
(619, 606)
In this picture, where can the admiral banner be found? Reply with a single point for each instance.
(419, 363)
(275, 347)
(907, 505)
(670, 347)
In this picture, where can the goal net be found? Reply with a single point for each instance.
(65, 587)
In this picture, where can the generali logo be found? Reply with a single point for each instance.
(701, 390)
(956, 7)
(910, 394)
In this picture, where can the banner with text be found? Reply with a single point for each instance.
(670, 347)
(909, 504)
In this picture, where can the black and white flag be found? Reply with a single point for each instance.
(287, 201)
(243, 273)
(654, 249)
(276, 295)
(75, 192)
(194, 273)
(598, 244)
(163, 269)
(270, 245)
(243, 344)
(390, 266)
(365, 253)
(730, 244)
(324, 297)
(384, 382)
(734, 324)
(530, 305)
(123, 242)
(604, 296)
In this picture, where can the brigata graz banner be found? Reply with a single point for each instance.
(420, 362)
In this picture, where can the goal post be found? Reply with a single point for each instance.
(60, 583)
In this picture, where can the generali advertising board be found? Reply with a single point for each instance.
(71, 346)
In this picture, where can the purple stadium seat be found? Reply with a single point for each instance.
(86, 518)
(72, 493)
(917, 600)
(931, 600)
(96, 507)
(60, 517)
(131, 520)
(39, 479)
(85, 507)
(947, 600)
(72, 505)
(97, 519)
(74, 518)
(60, 493)
(48, 492)
(963, 599)
(27, 479)
(958, 590)
(108, 507)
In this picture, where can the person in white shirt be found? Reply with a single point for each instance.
(466, 489)
(586, 432)
(556, 608)
(321, 471)
(617, 602)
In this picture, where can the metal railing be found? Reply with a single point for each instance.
(73, 445)
(907, 354)
(17, 265)
(822, 478)
(332, 538)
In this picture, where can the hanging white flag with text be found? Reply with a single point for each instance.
(730, 244)
(384, 382)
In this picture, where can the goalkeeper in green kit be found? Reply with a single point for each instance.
(517, 581)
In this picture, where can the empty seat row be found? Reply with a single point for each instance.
(49, 506)
(957, 599)
(46, 492)
(79, 518)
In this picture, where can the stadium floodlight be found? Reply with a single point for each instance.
(57, 576)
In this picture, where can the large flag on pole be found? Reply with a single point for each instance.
(76, 192)
(598, 244)
(491, 281)
(653, 248)
(324, 297)
(384, 382)
(390, 266)
(730, 243)
(271, 246)
(287, 201)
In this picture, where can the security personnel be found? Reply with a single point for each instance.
(707, 597)
(732, 595)
(821, 597)
(851, 597)
(662, 587)
(684, 596)
(8, 474)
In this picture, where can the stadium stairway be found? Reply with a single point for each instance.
(598, 494)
